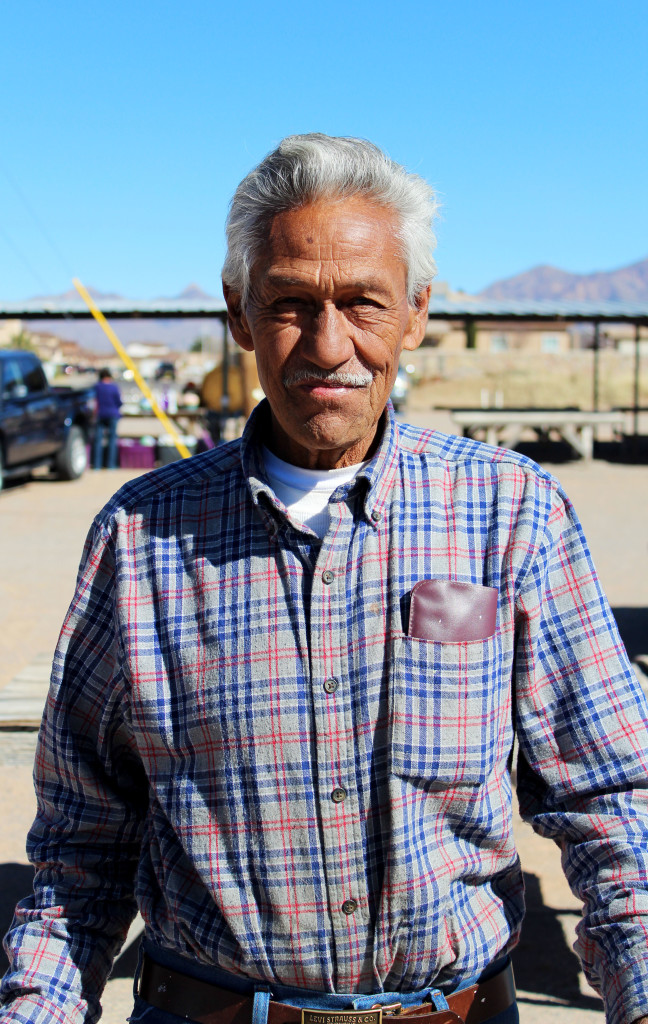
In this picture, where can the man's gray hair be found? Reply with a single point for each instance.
(306, 168)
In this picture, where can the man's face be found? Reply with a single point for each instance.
(327, 318)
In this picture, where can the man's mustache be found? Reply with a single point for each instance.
(346, 378)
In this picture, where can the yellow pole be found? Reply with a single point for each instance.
(139, 380)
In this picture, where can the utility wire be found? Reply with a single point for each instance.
(23, 259)
(37, 221)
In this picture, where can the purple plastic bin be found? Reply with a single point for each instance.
(133, 455)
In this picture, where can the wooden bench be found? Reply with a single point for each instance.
(504, 427)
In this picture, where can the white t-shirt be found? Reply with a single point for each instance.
(305, 492)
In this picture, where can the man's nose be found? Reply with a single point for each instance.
(327, 340)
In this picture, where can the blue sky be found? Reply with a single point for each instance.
(126, 127)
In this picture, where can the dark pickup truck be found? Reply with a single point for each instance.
(39, 424)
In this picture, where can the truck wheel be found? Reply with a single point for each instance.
(72, 460)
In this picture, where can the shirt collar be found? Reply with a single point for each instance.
(374, 481)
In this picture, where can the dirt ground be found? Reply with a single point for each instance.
(42, 527)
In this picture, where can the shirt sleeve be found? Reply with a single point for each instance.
(583, 762)
(91, 799)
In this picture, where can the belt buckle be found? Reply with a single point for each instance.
(373, 1016)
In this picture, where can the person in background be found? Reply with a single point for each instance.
(189, 396)
(108, 412)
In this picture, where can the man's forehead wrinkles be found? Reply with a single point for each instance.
(327, 253)
(359, 242)
(278, 279)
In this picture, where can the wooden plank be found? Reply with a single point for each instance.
(23, 698)
(504, 426)
(529, 417)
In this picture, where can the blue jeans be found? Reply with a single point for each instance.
(148, 1014)
(108, 426)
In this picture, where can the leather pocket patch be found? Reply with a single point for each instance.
(447, 612)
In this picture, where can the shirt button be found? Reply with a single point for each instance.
(376, 516)
(331, 685)
(338, 795)
(328, 576)
(349, 907)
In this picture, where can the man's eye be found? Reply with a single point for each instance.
(289, 302)
(360, 301)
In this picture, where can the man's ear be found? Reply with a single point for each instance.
(236, 319)
(418, 320)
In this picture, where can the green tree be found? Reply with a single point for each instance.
(22, 340)
(471, 333)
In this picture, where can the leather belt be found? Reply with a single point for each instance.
(204, 1003)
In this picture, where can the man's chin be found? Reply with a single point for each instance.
(337, 425)
(327, 436)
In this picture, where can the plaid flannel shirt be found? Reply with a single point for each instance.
(242, 740)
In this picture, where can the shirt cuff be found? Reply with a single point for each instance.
(625, 993)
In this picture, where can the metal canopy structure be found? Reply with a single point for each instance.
(115, 309)
(487, 310)
(466, 308)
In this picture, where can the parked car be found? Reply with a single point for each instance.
(400, 390)
(39, 424)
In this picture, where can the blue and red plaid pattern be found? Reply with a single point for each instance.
(242, 740)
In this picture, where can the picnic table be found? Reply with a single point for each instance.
(504, 427)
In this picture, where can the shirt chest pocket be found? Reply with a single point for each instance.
(449, 710)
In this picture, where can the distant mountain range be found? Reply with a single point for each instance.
(628, 284)
(192, 291)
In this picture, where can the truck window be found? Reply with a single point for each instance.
(11, 378)
(32, 374)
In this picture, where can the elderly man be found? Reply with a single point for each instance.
(284, 701)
